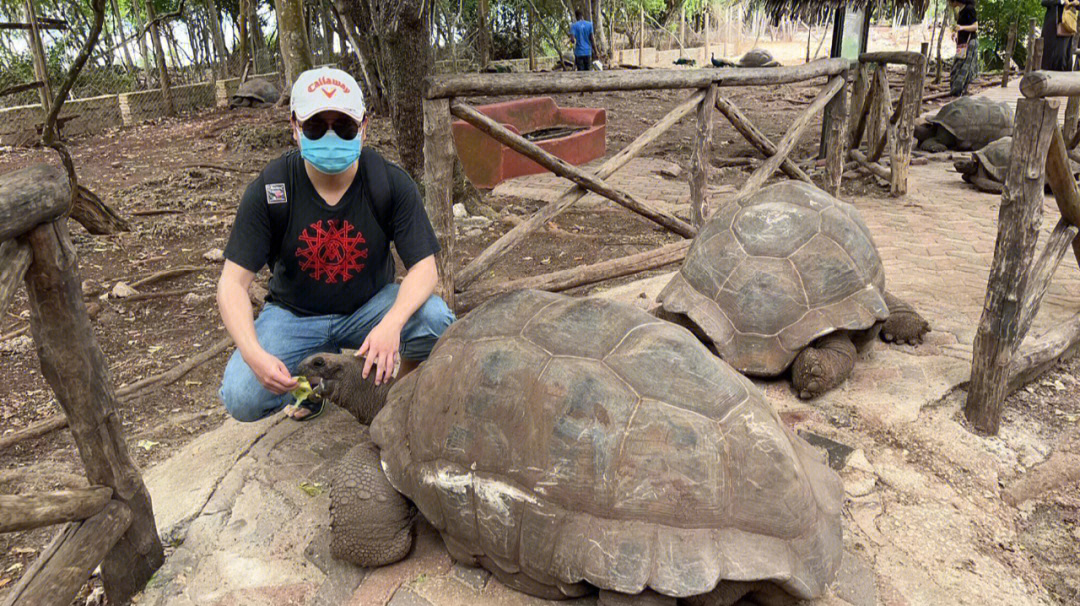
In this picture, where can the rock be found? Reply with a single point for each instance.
(122, 291)
(91, 288)
(838, 453)
(475, 222)
(459, 211)
(214, 254)
(22, 344)
(93, 309)
(858, 461)
(511, 220)
(193, 299)
(671, 172)
(472, 233)
(859, 484)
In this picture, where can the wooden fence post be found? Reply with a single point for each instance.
(997, 338)
(439, 189)
(910, 102)
(641, 40)
(78, 373)
(41, 70)
(699, 160)
(1072, 114)
(1010, 44)
(836, 140)
(1029, 65)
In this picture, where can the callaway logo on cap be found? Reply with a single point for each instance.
(323, 89)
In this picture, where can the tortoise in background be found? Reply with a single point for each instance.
(565, 444)
(788, 277)
(968, 123)
(986, 168)
(256, 92)
(758, 57)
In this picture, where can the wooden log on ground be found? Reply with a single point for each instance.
(465, 85)
(140, 387)
(68, 568)
(1041, 353)
(580, 276)
(1018, 232)
(873, 167)
(909, 58)
(575, 192)
(95, 215)
(439, 189)
(903, 141)
(756, 138)
(47, 425)
(791, 138)
(33, 195)
(560, 167)
(836, 140)
(25, 512)
(14, 259)
(75, 368)
(1050, 84)
(699, 160)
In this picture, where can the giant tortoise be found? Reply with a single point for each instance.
(567, 444)
(254, 93)
(986, 168)
(968, 123)
(788, 277)
(758, 57)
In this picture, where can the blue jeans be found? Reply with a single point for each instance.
(291, 338)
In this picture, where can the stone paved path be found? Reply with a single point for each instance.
(245, 532)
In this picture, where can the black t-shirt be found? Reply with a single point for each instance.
(967, 16)
(331, 259)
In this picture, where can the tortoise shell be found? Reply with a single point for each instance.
(975, 121)
(585, 440)
(994, 158)
(257, 91)
(758, 57)
(766, 276)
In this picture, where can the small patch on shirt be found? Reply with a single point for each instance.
(275, 193)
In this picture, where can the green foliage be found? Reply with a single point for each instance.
(995, 18)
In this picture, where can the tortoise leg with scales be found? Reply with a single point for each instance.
(569, 444)
(788, 277)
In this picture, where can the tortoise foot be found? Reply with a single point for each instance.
(933, 146)
(823, 365)
(986, 185)
(371, 524)
(905, 325)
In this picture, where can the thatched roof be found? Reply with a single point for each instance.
(818, 9)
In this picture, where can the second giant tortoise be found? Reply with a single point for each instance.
(788, 277)
(758, 57)
(254, 93)
(567, 444)
(968, 123)
(986, 168)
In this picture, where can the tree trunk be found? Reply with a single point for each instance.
(219, 40)
(484, 38)
(120, 28)
(328, 31)
(242, 33)
(295, 52)
(159, 55)
(407, 59)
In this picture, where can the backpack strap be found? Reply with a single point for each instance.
(373, 173)
(277, 172)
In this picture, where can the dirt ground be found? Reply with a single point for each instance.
(179, 181)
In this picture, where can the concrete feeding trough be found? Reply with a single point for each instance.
(574, 134)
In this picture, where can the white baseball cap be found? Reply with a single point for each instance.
(326, 89)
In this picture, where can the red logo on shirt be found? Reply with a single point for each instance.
(331, 253)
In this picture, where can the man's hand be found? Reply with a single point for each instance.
(381, 349)
(271, 372)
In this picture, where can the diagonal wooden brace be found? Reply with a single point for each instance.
(515, 236)
(756, 138)
(560, 167)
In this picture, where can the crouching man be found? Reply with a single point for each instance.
(322, 218)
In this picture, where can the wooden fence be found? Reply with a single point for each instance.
(111, 523)
(1001, 360)
(886, 126)
(462, 290)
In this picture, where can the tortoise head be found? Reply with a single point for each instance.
(340, 379)
(923, 131)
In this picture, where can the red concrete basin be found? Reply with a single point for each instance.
(487, 162)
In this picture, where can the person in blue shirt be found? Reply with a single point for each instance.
(581, 32)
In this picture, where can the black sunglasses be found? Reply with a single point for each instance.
(345, 127)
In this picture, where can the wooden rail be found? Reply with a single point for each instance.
(119, 532)
(443, 101)
(887, 128)
(1018, 281)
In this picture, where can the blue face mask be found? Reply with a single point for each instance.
(330, 154)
